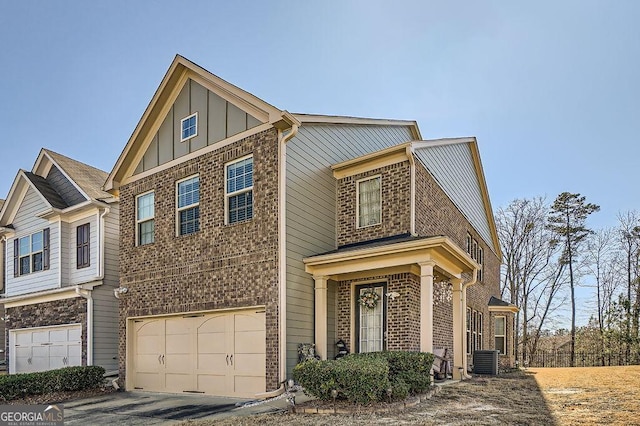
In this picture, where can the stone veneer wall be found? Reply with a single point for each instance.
(220, 266)
(396, 205)
(58, 312)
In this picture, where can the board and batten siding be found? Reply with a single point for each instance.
(25, 223)
(461, 187)
(311, 209)
(217, 120)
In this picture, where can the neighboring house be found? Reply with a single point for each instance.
(247, 230)
(2, 285)
(60, 251)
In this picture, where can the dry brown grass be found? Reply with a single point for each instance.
(541, 396)
(591, 396)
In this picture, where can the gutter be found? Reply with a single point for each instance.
(412, 168)
(463, 296)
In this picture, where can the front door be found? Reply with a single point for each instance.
(371, 324)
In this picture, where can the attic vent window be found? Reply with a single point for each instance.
(189, 126)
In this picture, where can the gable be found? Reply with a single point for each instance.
(26, 219)
(217, 119)
(452, 165)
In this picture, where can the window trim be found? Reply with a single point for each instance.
(503, 350)
(469, 341)
(17, 257)
(190, 206)
(228, 195)
(358, 182)
(82, 245)
(182, 138)
(138, 221)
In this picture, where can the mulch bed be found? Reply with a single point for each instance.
(58, 397)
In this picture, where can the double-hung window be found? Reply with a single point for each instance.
(189, 205)
(476, 252)
(369, 197)
(31, 253)
(189, 127)
(82, 246)
(468, 330)
(500, 334)
(145, 219)
(239, 190)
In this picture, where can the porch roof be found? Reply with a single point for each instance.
(403, 252)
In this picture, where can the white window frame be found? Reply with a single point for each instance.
(228, 195)
(480, 326)
(358, 182)
(182, 138)
(152, 218)
(480, 261)
(30, 254)
(190, 206)
(503, 350)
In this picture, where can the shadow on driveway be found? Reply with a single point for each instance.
(137, 408)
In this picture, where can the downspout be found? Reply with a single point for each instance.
(282, 243)
(412, 168)
(100, 262)
(463, 296)
(87, 295)
(59, 252)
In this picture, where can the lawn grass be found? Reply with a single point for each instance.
(540, 396)
(591, 395)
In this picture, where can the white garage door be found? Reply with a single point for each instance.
(217, 354)
(47, 348)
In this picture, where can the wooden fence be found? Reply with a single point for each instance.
(581, 359)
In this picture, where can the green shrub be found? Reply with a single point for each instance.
(358, 380)
(15, 386)
(364, 378)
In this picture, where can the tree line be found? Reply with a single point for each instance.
(549, 251)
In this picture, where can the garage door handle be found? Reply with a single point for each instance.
(159, 356)
(227, 359)
(162, 359)
(231, 359)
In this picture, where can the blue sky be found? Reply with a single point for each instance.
(549, 88)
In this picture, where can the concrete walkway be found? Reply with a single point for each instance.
(145, 408)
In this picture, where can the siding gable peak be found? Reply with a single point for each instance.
(455, 164)
(183, 83)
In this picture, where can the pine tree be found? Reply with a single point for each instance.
(567, 220)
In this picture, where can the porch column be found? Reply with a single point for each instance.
(321, 315)
(459, 329)
(426, 306)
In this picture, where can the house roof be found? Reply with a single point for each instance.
(501, 305)
(179, 72)
(88, 178)
(50, 194)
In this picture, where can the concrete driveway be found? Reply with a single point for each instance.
(143, 408)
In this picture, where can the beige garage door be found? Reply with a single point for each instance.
(217, 354)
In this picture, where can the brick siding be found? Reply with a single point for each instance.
(220, 266)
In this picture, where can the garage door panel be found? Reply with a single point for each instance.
(75, 334)
(245, 322)
(40, 351)
(214, 324)
(248, 385)
(148, 381)
(58, 336)
(40, 336)
(58, 350)
(250, 342)
(249, 362)
(214, 384)
(147, 362)
(23, 338)
(179, 382)
(205, 353)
